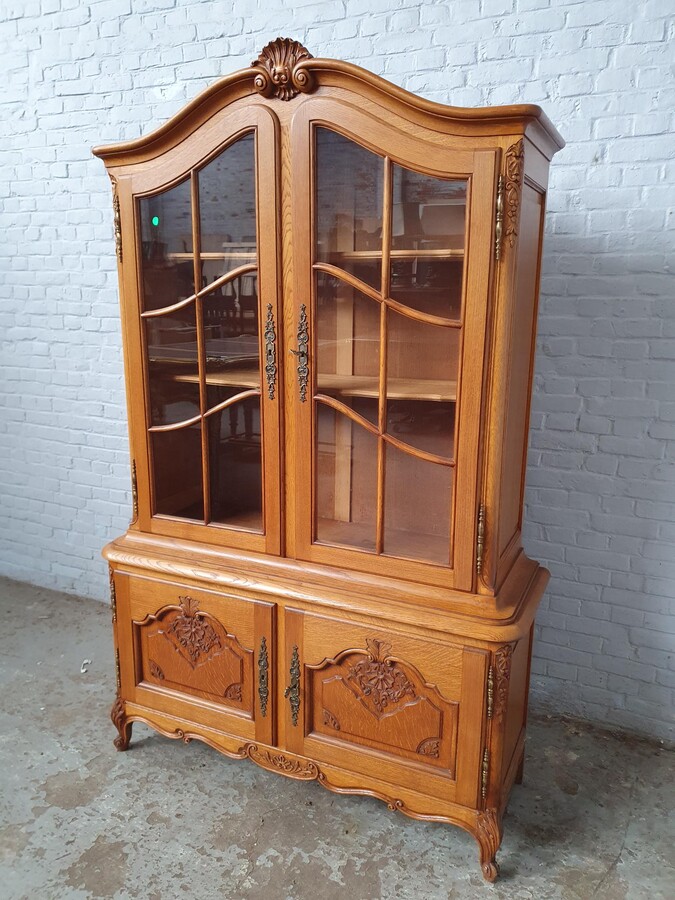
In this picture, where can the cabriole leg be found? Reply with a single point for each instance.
(121, 723)
(489, 836)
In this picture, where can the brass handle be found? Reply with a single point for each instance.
(293, 689)
(270, 353)
(303, 353)
(263, 677)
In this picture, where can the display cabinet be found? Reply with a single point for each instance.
(329, 293)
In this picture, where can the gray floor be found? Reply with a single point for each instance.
(167, 820)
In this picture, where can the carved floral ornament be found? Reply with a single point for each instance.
(192, 634)
(380, 678)
(278, 72)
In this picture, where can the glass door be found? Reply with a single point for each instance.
(394, 349)
(209, 329)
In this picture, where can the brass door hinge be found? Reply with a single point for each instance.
(490, 691)
(499, 218)
(134, 492)
(118, 677)
(480, 539)
(113, 595)
(485, 766)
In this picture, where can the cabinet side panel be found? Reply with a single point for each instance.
(522, 353)
(517, 701)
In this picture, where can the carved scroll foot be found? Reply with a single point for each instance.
(489, 837)
(120, 722)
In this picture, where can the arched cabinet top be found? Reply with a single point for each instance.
(285, 71)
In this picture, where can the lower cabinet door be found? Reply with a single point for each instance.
(196, 654)
(378, 701)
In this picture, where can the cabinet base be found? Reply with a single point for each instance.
(483, 824)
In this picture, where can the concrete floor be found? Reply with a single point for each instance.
(166, 820)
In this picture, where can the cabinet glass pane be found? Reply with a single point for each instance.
(177, 464)
(227, 212)
(346, 481)
(173, 371)
(348, 346)
(349, 182)
(422, 370)
(427, 244)
(235, 460)
(230, 312)
(417, 507)
(222, 451)
(166, 247)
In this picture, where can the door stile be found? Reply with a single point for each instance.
(201, 348)
(382, 398)
(268, 192)
(300, 413)
(478, 275)
(134, 357)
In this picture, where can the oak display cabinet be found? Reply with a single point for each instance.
(329, 292)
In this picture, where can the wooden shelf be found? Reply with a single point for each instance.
(247, 378)
(397, 388)
(230, 254)
(397, 543)
(342, 385)
(442, 254)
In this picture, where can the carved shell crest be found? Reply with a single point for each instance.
(278, 74)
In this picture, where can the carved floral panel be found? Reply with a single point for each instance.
(185, 649)
(371, 698)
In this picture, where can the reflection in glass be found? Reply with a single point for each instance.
(230, 312)
(172, 366)
(233, 360)
(235, 460)
(177, 465)
(349, 182)
(348, 344)
(166, 247)
(346, 481)
(417, 507)
(422, 370)
(227, 214)
(428, 225)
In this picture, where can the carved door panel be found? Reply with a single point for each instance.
(197, 654)
(403, 708)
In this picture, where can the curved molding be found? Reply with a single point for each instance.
(484, 826)
(285, 69)
(340, 407)
(200, 641)
(178, 734)
(377, 653)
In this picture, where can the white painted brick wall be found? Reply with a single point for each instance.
(601, 491)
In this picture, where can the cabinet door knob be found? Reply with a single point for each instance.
(303, 353)
(293, 689)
